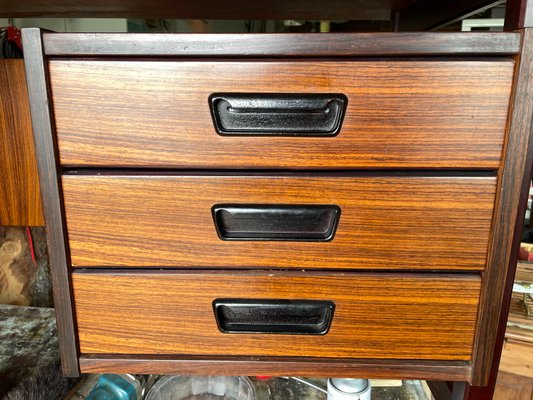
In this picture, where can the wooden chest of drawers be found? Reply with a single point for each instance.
(252, 205)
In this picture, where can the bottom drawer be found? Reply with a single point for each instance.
(351, 315)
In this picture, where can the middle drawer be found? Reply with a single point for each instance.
(395, 222)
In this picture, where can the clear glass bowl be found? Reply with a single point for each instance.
(202, 388)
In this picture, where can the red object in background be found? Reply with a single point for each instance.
(525, 255)
(14, 35)
(32, 249)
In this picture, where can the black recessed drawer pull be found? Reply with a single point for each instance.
(293, 317)
(277, 114)
(276, 222)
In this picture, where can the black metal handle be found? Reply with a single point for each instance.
(276, 222)
(271, 114)
(296, 317)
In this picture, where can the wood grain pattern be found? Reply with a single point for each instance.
(45, 151)
(286, 45)
(513, 183)
(512, 386)
(275, 366)
(422, 114)
(517, 358)
(387, 222)
(20, 197)
(381, 316)
(472, 80)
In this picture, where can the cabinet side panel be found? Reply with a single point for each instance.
(508, 215)
(38, 89)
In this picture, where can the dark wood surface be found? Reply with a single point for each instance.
(424, 15)
(203, 9)
(276, 45)
(519, 14)
(369, 10)
(20, 197)
(508, 216)
(407, 114)
(42, 122)
(521, 122)
(386, 222)
(416, 15)
(376, 10)
(272, 366)
(383, 316)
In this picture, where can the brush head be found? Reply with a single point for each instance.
(48, 383)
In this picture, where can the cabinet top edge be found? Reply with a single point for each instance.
(281, 44)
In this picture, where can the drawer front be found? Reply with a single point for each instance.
(418, 114)
(386, 222)
(400, 316)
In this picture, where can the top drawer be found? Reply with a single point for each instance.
(399, 114)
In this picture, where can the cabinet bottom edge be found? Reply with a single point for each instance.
(277, 366)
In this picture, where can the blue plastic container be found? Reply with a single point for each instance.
(115, 387)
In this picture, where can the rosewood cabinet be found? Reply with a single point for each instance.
(314, 205)
(20, 197)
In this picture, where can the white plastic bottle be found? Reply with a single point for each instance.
(348, 389)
